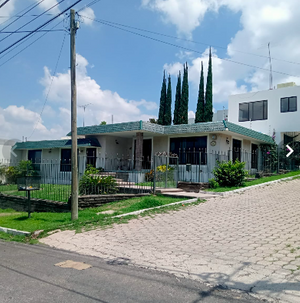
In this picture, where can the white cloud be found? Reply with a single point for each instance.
(18, 121)
(90, 14)
(103, 103)
(46, 4)
(261, 22)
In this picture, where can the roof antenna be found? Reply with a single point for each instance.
(271, 72)
(84, 107)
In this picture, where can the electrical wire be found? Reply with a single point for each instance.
(5, 2)
(187, 40)
(39, 31)
(185, 48)
(53, 6)
(39, 27)
(31, 7)
(50, 86)
(26, 45)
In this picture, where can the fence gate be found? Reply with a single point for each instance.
(165, 171)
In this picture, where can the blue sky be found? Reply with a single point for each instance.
(120, 73)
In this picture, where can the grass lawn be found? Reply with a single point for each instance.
(88, 218)
(53, 192)
(255, 182)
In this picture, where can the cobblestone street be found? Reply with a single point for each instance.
(248, 241)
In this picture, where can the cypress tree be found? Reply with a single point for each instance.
(168, 104)
(177, 100)
(201, 99)
(184, 97)
(209, 92)
(162, 104)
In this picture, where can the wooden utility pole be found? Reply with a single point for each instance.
(74, 181)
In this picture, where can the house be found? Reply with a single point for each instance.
(273, 112)
(132, 146)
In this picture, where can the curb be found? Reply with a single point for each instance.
(146, 209)
(14, 232)
(239, 190)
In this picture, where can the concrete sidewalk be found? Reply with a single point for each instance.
(247, 241)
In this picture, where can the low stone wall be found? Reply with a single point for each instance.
(94, 201)
(192, 186)
(39, 205)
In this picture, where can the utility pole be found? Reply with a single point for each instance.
(74, 168)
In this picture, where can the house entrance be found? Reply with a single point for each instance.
(236, 150)
(147, 153)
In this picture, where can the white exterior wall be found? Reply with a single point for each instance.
(160, 144)
(281, 122)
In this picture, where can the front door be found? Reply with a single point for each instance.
(147, 151)
(236, 150)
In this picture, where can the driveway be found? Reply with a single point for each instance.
(247, 241)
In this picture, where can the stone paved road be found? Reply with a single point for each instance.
(248, 241)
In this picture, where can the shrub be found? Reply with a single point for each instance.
(149, 176)
(90, 184)
(213, 183)
(230, 174)
(24, 168)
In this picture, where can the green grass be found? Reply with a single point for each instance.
(53, 192)
(255, 182)
(88, 218)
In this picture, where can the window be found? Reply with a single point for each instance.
(254, 156)
(65, 160)
(35, 156)
(288, 104)
(189, 150)
(91, 156)
(253, 111)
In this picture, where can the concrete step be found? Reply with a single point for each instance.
(169, 190)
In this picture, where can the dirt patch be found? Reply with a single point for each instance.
(9, 214)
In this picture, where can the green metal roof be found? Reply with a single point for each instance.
(174, 129)
(88, 142)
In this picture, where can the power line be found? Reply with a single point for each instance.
(33, 18)
(186, 48)
(187, 40)
(50, 86)
(31, 7)
(26, 45)
(5, 2)
(39, 27)
(39, 31)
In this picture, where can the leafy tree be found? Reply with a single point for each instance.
(201, 99)
(168, 104)
(103, 123)
(183, 115)
(177, 100)
(209, 92)
(153, 120)
(162, 104)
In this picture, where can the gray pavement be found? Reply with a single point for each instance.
(248, 241)
(28, 274)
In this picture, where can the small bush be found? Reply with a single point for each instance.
(230, 174)
(24, 168)
(149, 176)
(213, 183)
(91, 184)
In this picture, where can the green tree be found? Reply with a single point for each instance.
(153, 120)
(177, 100)
(162, 104)
(184, 97)
(201, 99)
(168, 104)
(103, 123)
(209, 92)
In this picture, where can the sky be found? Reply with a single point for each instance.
(123, 48)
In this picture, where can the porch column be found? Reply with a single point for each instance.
(139, 151)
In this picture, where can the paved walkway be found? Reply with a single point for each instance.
(249, 241)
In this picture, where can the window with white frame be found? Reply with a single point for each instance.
(252, 111)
